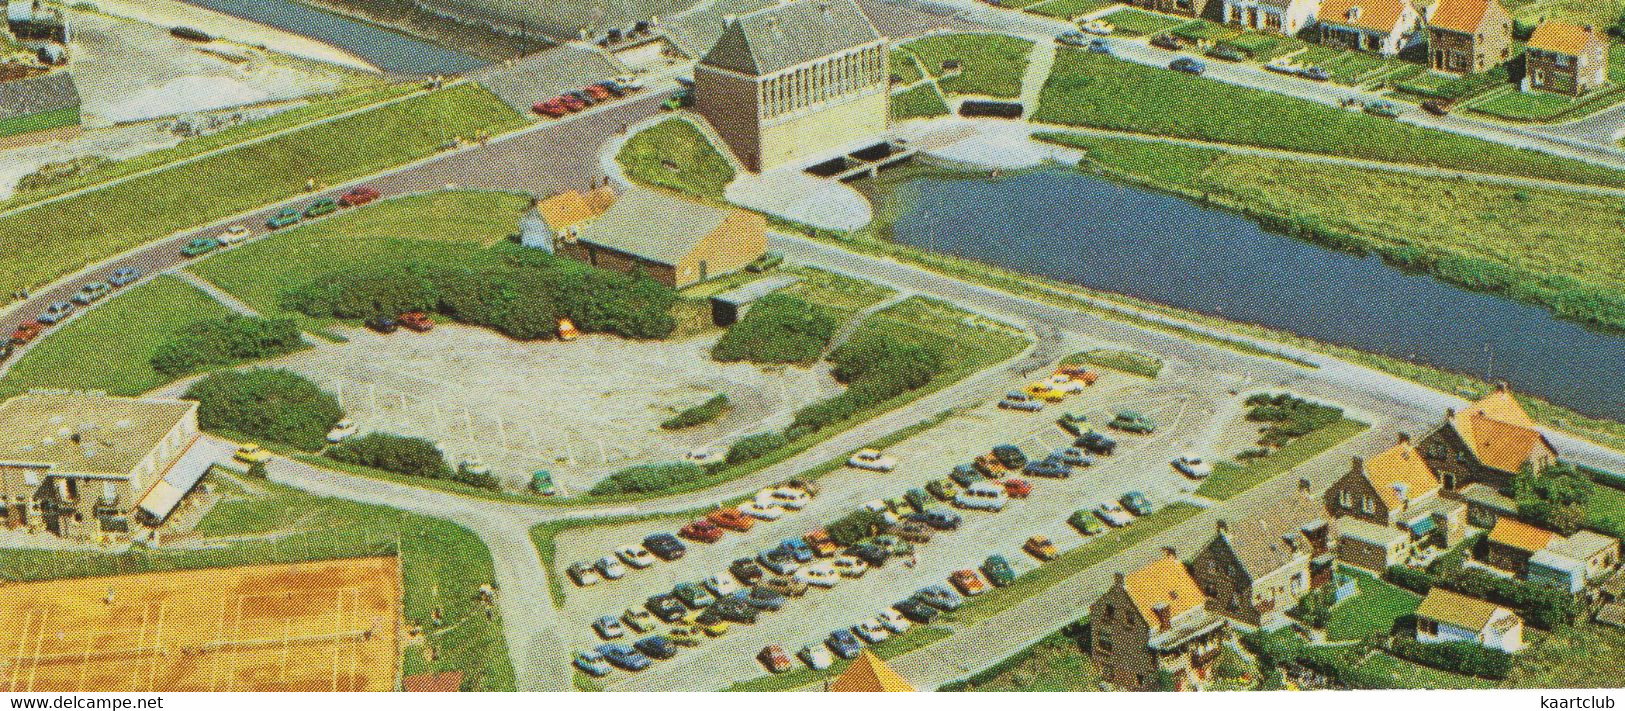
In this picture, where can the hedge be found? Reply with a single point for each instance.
(645, 478)
(411, 456)
(215, 342)
(1459, 657)
(268, 404)
(756, 446)
(1543, 606)
(778, 329)
(875, 369)
(700, 414)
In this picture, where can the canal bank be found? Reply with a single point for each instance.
(388, 50)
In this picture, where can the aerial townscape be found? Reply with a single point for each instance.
(811, 345)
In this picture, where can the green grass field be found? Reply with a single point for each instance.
(39, 122)
(905, 67)
(1580, 656)
(111, 346)
(1092, 90)
(64, 236)
(1371, 612)
(1067, 9)
(991, 65)
(673, 154)
(1229, 479)
(1606, 511)
(923, 101)
(1139, 23)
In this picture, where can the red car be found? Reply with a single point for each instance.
(596, 92)
(968, 582)
(701, 530)
(26, 331)
(1017, 488)
(774, 659)
(552, 107)
(732, 519)
(416, 321)
(571, 103)
(358, 196)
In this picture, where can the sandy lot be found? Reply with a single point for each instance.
(581, 409)
(330, 626)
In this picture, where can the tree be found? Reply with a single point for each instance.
(1557, 498)
(268, 404)
(411, 456)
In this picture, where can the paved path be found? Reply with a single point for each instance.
(1039, 63)
(1603, 128)
(226, 299)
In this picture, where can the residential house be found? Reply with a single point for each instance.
(1489, 442)
(559, 216)
(1257, 568)
(1383, 27)
(1154, 621)
(1188, 8)
(1393, 490)
(1511, 542)
(1446, 616)
(1485, 505)
(93, 467)
(796, 80)
(1539, 555)
(675, 241)
(1565, 59)
(1287, 17)
(1468, 36)
(869, 673)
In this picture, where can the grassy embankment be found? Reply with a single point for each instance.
(259, 522)
(1131, 362)
(1230, 479)
(64, 236)
(990, 64)
(674, 154)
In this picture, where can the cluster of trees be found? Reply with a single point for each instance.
(216, 342)
(1315, 608)
(411, 456)
(522, 298)
(1459, 657)
(648, 478)
(1543, 606)
(1556, 500)
(266, 404)
(875, 368)
(1290, 417)
(700, 414)
(756, 446)
(779, 329)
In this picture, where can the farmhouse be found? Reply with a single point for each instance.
(1489, 442)
(1155, 620)
(796, 80)
(1565, 59)
(1381, 27)
(90, 467)
(1468, 36)
(1446, 616)
(1256, 569)
(675, 241)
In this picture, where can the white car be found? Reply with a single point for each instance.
(1193, 467)
(1098, 27)
(871, 632)
(234, 234)
(721, 586)
(757, 509)
(816, 657)
(894, 621)
(608, 627)
(610, 568)
(872, 460)
(821, 574)
(877, 505)
(704, 455)
(1113, 514)
(345, 429)
(1066, 385)
(636, 556)
(982, 496)
(584, 574)
(629, 81)
(792, 499)
(851, 566)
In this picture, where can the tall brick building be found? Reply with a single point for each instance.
(1155, 621)
(795, 80)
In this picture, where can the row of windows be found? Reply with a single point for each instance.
(825, 80)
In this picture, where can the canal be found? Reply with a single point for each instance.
(390, 51)
(1089, 231)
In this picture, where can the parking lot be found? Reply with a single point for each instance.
(1206, 422)
(580, 409)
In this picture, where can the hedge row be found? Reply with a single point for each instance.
(1543, 606)
(875, 369)
(647, 478)
(1459, 657)
(268, 404)
(411, 456)
(223, 341)
(756, 446)
(1289, 416)
(700, 414)
(778, 329)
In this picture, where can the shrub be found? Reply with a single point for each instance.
(1289, 416)
(411, 456)
(1459, 657)
(854, 527)
(876, 369)
(778, 329)
(222, 341)
(1557, 499)
(1315, 608)
(646, 478)
(700, 414)
(268, 404)
(755, 446)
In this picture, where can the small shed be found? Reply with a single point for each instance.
(729, 306)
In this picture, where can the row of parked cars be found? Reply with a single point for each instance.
(570, 102)
(59, 311)
(286, 217)
(1066, 381)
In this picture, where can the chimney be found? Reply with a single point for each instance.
(1169, 552)
(1119, 578)
(1354, 12)
(1502, 386)
(1222, 526)
(1449, 412)
(1404, 438)
(1165, 614)
(1304, 486)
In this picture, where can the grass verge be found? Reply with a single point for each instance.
(1371, 612)
(674, 154)
(1131, 362)
(1229, 479)
(990, 64)
(923, 101)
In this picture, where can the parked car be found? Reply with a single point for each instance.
(733, 610)
(628, 82)
(815, 657)
(682, 99)
(893, 621)
(1113, 514)
(895, 546)
(998, 570)
(940, 519)
(608, 627)
(1134, 422)
(56, 312)
(1084, 522)
(124, 276)
(591, 662)
(285, 217)
(584, 574)
(871, 632)
(235, 234)
(709, 623)
(321, 207)
(6, 349)
(767, 262)
(1282, 65)
(773, 659)
(789, 498)
(656, 647)
(765, 598)
(1097, 443)
(1040, 547)
(967, 474)
(940, 597)
(850, 566)
(416, 321)
(1010, 456)
(916, 611)
(762, 510)
(1438, 107)
(1021, 404)
(693, 595)
(721, 586)
(551, 108)
(382, 324)
(685, 635)
(844, 644)
(1136, 503)
(252, 454)
(786, 586)
(624, 657)
(872, 555)
(610, 568)
(1074, 457)
(343, 430)
(1074, 423)
(91, 293)
(638, 621)
(798, 549)
(914, 532)
(1188, 66)
(596, 92)
(1099, 46)
(746, 570)
(872, 460)
(820, 543)
(1227, 53)
(821, 574)
(635, 556)
(942, 489)
(1048, 468)
(1167, 41)
(665, 545)
(982, 496)
(666, 607)
(1382, 109)
(200, 246)
(701, 530)
(1098, 27)
(731, 519)
(778, 561)
(967, 582)
(357, 197)
(1193, 467)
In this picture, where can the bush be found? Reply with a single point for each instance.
(222, 341)
(646, 478)
(1315, 608)
(854, 527)
(755, 446)
(1458, 657)
(268, 404)
(1556, 500)
(411, 456)
(1290, 417)
(1415, 580)
(700, 414)
(876, 369)
(778, 329)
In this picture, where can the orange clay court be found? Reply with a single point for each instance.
(322, 626)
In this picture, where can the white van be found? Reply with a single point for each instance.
(983, 496)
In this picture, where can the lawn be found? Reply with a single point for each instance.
(800, 675)
(110, 347)
(1068, 9)
(1093, 90)
(1131, 362)
(674, 154)
(1229, 478)
(837, 291)
(1606, 511)
(1204, 31)
(1138, 23)
(1579, 656)
(923, 101)
(39, 122)
(1263, 46)
(443, 565)
(905, 67)
(1058, 662)
(1372, 611)
(62, 237)
(991, 65)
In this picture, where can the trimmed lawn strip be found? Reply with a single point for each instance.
(64, 236)
(991, 64)
(1606, 511)
(1058, 662)
(110, 347)
(1372, 611)
(1229, 479)
(1092, 90)
(1130, 22)
(922, 101)
(1067, 9)
(905, 68)
(801, 675)
(674, 154)
(1131, 362)
(39, 122)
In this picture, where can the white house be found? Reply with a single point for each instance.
(1377, 26)
(1450, 617)
(1287, 17)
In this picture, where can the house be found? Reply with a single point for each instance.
(1255, 569)
(868, 673)
(38, 103)
(1485, 505)
(1287, 17)
(1489, 442)
(675, 241)
(1511, 542)
(1468, 36)
(1394, 490)
(1539, 555)
(558, 216)
(1370, 546)
(1446, 616)
(1154, 621)
(1188, 8)
(1383, 27)
(93, 467)
(795, 80)
(1565, 59)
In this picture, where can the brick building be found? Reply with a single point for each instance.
(1257, 568)
(1397, 502)
(1489, 442)
(1565, 59)
(675, 241)
(1152, 621)
(1468, 36)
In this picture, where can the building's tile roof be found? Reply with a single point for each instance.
(574, 207)
(776, 38)
(1375, 15)
(869, 674)
(1459, 15)
(1562, 38)
(1509, 531)
(113, 433)
(1270, 537)
(1400, 464)
(1499, 431)
(653, 225)
(1456, 609)
(433, 682)
(1486, 495)
(1582, 545)
(1164, 581)
(35, 95)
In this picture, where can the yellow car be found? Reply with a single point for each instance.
(711, 626)
(685, 635)
(1044, 391)
(253, 454)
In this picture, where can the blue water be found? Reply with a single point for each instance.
(1092, 232)
(389, 51)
